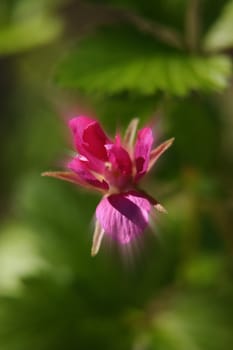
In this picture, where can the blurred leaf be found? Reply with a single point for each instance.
(209, 11)
(28, 33)
(220, 35)
(25, 24)
(19, 256)
(113, 62)
(49, 315)
(204, 270)
(194, 321)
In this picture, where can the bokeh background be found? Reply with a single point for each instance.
(164, 60)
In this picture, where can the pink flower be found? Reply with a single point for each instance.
(114, 167)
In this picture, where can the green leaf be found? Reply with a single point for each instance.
(220, 35)
(29, 32)
(18, 256)
(113, 62)
(193, 321)
(209, 11)
(204, 270)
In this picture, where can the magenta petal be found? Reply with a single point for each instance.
(142, 151)
(78, 125)
(81, 168)
(95, 141)
(89, 138)
(120, 164)
(119, 159)
(124, 216)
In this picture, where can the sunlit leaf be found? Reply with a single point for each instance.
(28, 33)
(194, 321)
(111, 63)
(220, 35)
(19, 256)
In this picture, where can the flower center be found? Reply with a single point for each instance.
(119, 179)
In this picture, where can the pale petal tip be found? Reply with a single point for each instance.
(131, 132)
(56, 174)
(97, 239)
(93, 252)
(160, 208)
(46, 173)
(171, 140)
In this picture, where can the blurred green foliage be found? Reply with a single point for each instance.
(25, 24)
(169, 60)
(126, 60)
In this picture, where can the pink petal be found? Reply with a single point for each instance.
(142, 151)
(119, 159)
(77, 126)
(124, 215)
(71, 177)
(89, 138)
(118, 141)
(120, 166)
(81, 168)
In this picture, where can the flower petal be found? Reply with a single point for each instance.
(64, 175)
(158, 151)
(119, 159)
(158, 206)
(124, 215)
(130, 133)
(97, 239)
(119, 166)
(81, 168)
(142, 151)
(77, 126)
(74, 178)
(89, 138)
